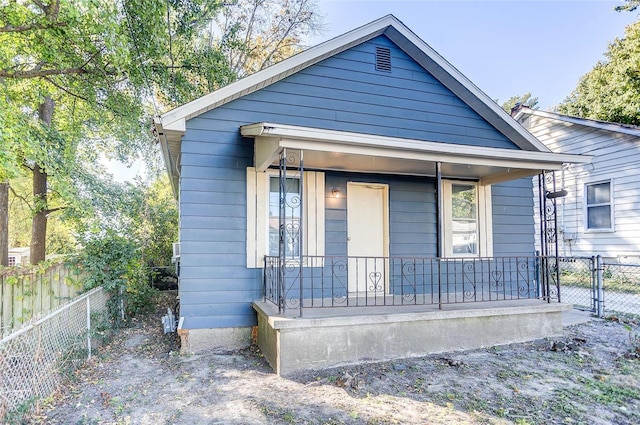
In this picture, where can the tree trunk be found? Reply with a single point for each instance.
(4, 224)
(39, 223)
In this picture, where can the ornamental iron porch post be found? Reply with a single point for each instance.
(290, 230)
(548, 195)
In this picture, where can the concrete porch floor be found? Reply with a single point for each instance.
(327, 337)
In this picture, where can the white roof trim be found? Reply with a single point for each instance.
(601, 125)
(420, 51)
(347, 142)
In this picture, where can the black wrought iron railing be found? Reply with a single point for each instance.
(339, 281)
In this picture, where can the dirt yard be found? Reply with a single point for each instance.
(591, 375)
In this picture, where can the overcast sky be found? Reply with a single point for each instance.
(505, 47)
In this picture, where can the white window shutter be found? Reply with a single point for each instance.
(314, 213)
(257, 218)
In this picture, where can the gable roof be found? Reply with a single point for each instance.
(396, 31)
(171, 126)
(631, 130)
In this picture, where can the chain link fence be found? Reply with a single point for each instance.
(577, 284)
(34, 359)
(605, 288)
(621, 287)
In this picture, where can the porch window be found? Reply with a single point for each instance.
(599, 206)
(291, 213)
(467, 219)
(263, 212)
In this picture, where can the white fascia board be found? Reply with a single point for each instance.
(475, 154)
(600, 125)
(423, 155)
(179, 126)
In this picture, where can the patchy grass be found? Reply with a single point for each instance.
(590, 375)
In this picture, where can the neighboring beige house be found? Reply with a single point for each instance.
(601, 213)
(19, 256)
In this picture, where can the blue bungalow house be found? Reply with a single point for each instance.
(360, 200)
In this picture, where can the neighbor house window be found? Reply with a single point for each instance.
(263, 215)
(12, 261)
(467, 219)
(599, 206)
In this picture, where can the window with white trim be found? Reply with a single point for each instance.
(12, 261)
(599, 207)
(467, 221)
(291, 216)
(263, 215)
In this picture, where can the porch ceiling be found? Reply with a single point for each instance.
(345, 151)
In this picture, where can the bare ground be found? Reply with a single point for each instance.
(590, 375)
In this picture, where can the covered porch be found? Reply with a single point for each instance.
(362, 299)
(328, 337)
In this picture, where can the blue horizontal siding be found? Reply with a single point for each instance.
(239, 297)
(340, 93)
(219, 321)
(214, 274)
(215, 210)
(218, 284)
(197, 236)
(513, 225)
(215, 247)
(209, 185)
(235, 309)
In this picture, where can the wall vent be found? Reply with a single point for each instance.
(383, 59)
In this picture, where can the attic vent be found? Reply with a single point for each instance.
(383, 59)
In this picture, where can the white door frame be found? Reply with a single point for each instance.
(353, 275)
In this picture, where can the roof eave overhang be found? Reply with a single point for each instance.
(168, 138)
(600, 125)
(497, 165)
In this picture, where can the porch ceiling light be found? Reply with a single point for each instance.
(336, 193)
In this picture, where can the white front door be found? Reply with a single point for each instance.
(367, 236)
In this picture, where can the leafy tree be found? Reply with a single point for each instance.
(4, 223)
(63, 68)
(83, 78)
(611, 90)
(525, 100)
(259, 33)
(155, 223)
(630, 6)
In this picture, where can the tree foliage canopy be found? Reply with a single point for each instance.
(526, 99)
(611, 90)
(80, 80)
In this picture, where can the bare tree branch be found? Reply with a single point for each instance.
(50, 81)
(31, 27)
(52, 210)
(22, 198)
(36, 72)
